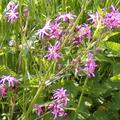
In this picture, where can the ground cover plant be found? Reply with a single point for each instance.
(59, 60)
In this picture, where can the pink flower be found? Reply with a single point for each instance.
(65, 17)
(2, 90)
(12, 6)
(112, 19)
(90, 66)
(9, 80)
(77, 40)
(84, 31)
(60, 101)
(12, 16)
(45, 31)
(57, 110)
(38, 109)
(95, 18)
(60, 96)
(12, 13)
(53, 52)
(55, 31)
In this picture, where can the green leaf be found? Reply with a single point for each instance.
(116, 77)
(113, 46)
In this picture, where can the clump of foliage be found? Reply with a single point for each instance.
(59, 60)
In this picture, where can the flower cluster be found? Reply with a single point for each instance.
(41, 33)
(54, 31)
(60, 100)
(53, 52)
(90, 66)
(12, 13)
(83, 32)
(7, 81)
(112, 19)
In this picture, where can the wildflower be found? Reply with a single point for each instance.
(44, 31)
(12, 16)
(84, 31)
(55, 31)
(38, 109)
(57, 110)
(112, 19)
(12, 13)
(2, 90)
(60, 96)
(77, 40)
(9, 80)
(90, 66)
(65, 17)
(12, 6)
(96, 19)
(60, 101)
(53, 52)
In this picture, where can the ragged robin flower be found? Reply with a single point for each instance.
(53, 52)
(90, 66)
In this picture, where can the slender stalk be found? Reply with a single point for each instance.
(25, 116)
(22, 54)
(42, 85)
(13, 105)
(80, 99)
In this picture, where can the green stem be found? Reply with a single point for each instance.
(25, 116)
(80, 99)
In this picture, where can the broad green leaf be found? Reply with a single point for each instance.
(116, 77)
(113, 46)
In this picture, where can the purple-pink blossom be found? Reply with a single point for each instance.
(112, 19)
(12, 13)
(90, 66)
(95, 18)
(38, 109)
(12, 6)
(12, 16)
(45, 31)
(53, 52)
(60, 96)
(85, 31)
(60, 101)
(9, 80)
(55, 31)
(2, 90)
(65, 17)
(57, 110)
(77, 40)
